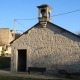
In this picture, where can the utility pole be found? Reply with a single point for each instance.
(14, 28)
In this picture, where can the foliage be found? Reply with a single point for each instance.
(2, 53)
(78, 33)
(5, 62)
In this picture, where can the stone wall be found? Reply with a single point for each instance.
(51, 47)
(10, 36)
(4, 36)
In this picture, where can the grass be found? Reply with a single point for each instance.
(5, 62)
(20, 78)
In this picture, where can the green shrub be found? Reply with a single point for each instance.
(5, 62)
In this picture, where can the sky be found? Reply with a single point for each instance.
(20, 10)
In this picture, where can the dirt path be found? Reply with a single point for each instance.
(26, 75)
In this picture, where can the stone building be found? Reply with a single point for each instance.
(46, 45)
(6, 36)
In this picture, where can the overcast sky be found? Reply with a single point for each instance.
(27, 9)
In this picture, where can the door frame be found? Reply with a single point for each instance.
(16, 57)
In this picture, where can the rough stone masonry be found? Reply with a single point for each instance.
(50, 47)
